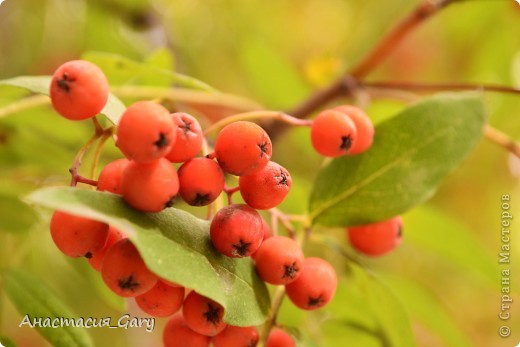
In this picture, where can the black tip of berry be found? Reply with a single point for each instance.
(200, 200)
(290, 271)
(170, 202)
(88, 255)
(241, 249)
(128, 283)
(212, 314)
(162, 141)
(346, 142)
(315, 301)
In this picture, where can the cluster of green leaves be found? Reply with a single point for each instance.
(412, 153)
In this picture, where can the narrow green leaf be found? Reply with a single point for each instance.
(121, 71)
(6, 342)
(35, 300)
(40, 85)
(424, 307)
(428, 229)
(411, 155)
(369, 311)
(176, 246)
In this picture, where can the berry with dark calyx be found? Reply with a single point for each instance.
(77, 236)
(201, 181)
(110, 177)
(162, 300)
(279, 260)
(266, 188)
(145, 132)
(125, 272)
(114, 235)
(376, 239)
(315, 286)
(189, 138)
(236, 230)
(234, 336)
(203, 315)
(150, 187)
(79, 90)
(333, 133)
(177, 334)
(279, 338)
(243, 148)
(364, 127)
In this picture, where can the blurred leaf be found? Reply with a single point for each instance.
(15, 216)
(369, 311)
(6, 342)
(34, 299)
(176, 246)
(273, 79)
(121, 70)
(424, 307)
(429, 229)
(411, 155)
(161, 58)
(40, 84)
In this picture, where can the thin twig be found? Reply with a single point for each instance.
(502, 139)
(442, 86)
(284, 220)
(248, 116)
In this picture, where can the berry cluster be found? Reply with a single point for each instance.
(153, 141)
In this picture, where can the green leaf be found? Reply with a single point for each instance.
(411, 155)
(6, 342)
(40, 85)
(424, 307)
(121, 71)
(428, 229)
(176, 246)
(35, 300)
(365, 312)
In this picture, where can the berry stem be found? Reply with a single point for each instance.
(276, 303)
(97, 154)
(502, 139)
(258, 115)
(76, 164)
(284, 219)
(230, 191)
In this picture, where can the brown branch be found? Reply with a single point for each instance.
(348, 83)
(391, 41)
(502, 139)
(441, 86)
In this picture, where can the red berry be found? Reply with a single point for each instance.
(125, 272)
(77, 236)
(162, 300)
(279, 260)
(114, 235)
(110, 177)
(150, 187)
(243, 148)
(78, 90)
(201, 181)
(333, 133)
(316, 285)
(266, 188)
(279, 338)
(236, 231)
(267, 233)
(189, 138)
(145, 132)
(377, 238)
(177, 334)
(364, 127)
(203, 315)
(236, 337)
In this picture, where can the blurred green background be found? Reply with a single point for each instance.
(445, 277)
